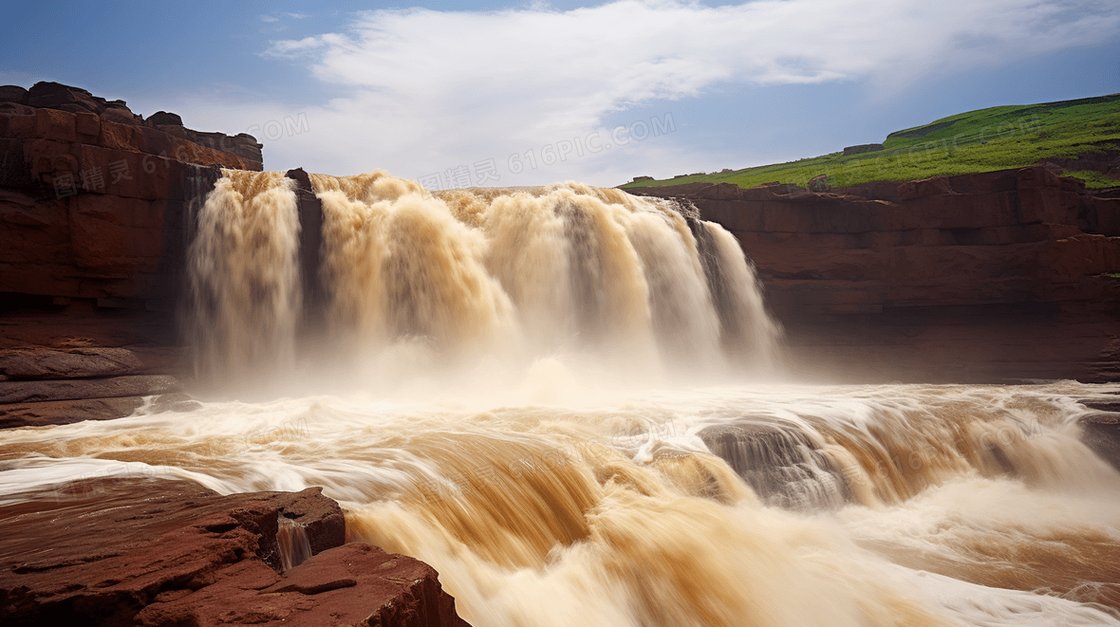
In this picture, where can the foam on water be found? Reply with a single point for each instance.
(618, 514)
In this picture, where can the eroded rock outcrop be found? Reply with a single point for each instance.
(983, 277)
(158, 553)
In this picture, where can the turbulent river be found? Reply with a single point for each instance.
(572, 403)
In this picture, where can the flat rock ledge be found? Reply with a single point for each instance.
(42, 385)
(148, 552)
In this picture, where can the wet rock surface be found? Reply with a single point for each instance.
(1101, 432)
(162, 552)
(14, 415)
(780, 464)
(75, 362)
(72, 389)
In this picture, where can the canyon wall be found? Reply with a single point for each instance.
(1002, 276)
(94, 199)
(96, 211)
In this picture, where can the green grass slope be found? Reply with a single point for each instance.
(978, 141)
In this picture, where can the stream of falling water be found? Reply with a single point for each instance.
(559, 397)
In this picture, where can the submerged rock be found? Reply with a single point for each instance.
(780, 464)
(1101, 432)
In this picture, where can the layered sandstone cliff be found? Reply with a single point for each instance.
(95, 199)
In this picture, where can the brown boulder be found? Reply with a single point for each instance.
(53, 95)
(163, 117)
(339, 586)
(159, 552)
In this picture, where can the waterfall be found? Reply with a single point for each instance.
(292, 542)
(243, 276)
(511, 275)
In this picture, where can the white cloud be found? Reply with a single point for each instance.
(428, 90)
(274, 18)
(291, 47)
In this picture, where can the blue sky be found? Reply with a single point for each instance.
(501, 93)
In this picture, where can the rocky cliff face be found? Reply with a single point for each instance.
(984, 277)
(94, 199)
(96, 211)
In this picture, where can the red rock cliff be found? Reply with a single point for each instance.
(93, 198)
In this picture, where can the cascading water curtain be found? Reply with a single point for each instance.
(244, 278)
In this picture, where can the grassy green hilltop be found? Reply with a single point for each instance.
(978, 141)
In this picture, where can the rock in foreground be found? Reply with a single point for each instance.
(157, 552)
